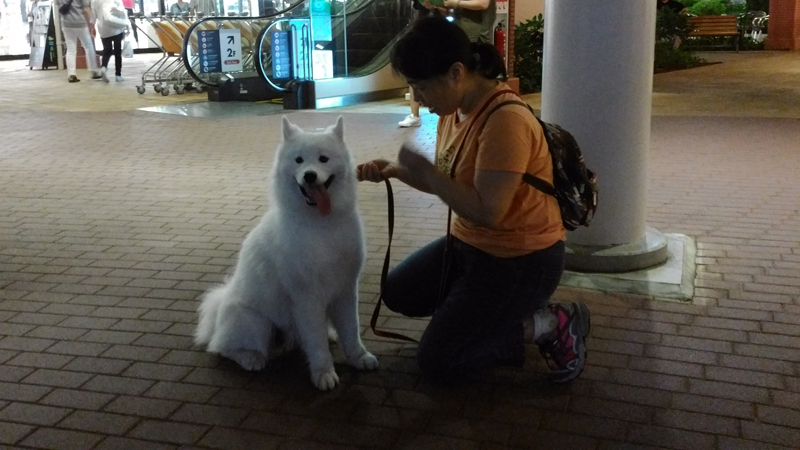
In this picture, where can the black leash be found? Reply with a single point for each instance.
(385, 271)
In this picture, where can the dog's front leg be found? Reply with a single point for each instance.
(311, 325)
(344, 315)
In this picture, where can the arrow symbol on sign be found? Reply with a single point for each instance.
(230, 39)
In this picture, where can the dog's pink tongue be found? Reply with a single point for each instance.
(320, 196)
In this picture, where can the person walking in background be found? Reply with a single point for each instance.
(128, 4)
(179, 8)
(76, 24)
(3, 19)
(413, 119)
(475, 17)
(207, 8)
(30, 11)
(112, 22)
(674, 5)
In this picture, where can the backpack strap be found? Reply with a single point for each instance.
(539, 184)
(536, 182)
(452, 173)
(475, 119)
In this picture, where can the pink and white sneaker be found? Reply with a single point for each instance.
(564, 348)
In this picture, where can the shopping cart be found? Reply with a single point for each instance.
(169, 69)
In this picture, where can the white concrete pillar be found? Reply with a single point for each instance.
(597, 84)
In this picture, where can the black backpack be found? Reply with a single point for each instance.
(574, 186)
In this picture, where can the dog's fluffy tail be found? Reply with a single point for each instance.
(208, 311)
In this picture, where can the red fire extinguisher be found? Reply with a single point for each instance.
(500, 38)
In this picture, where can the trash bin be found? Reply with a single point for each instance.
(299, 94)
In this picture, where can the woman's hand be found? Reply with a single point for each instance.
(411, 167)
(428, 5)
(414, 168)
(376, 170)
(412, 159)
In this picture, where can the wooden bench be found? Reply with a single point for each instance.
(713, 26)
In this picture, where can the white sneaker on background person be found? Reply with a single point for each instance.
(410, 121)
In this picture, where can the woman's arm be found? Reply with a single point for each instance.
(475, 5)
(96, 11)
(430, 6)
(507, 142)
(113, 14)
(484, 204)
(378, 170)
(87, 14)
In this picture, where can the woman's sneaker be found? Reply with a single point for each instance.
(410, 121)
(564, 348)
(120, 79)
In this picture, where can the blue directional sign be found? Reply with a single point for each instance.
(281, 58)
(208, 47)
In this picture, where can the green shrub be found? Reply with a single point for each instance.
(528, 51)
(667, 58)
(715, 7)
(529, 44)
(708, 8)
(751, 44)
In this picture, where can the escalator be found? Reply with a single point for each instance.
(312, 53)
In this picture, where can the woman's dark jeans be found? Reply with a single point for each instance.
(478, 323)
(116, 41)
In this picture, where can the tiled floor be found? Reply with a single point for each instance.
(114, 220)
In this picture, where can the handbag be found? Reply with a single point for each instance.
(64, 9)
(127, 48)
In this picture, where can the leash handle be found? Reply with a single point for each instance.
(385, 272)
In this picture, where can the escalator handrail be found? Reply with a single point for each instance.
(360, 7)
(369, 67)
(187, 36)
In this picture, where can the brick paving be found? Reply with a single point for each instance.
(113, 221)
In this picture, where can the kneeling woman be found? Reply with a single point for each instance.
(490, 295)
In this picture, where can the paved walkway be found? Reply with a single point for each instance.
(114, 220)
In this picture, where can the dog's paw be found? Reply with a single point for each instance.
(325, 381)
(367, 361)
(249, 359)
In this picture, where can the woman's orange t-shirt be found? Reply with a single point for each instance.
(512, 141)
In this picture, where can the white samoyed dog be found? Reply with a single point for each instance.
(298, 269)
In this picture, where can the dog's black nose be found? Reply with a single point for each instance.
(310, 177)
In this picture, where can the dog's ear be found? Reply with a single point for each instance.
(289, 129)
(338, 129)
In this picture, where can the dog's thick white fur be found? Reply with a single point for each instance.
(299, 268)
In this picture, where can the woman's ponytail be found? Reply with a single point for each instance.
(488, 62)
